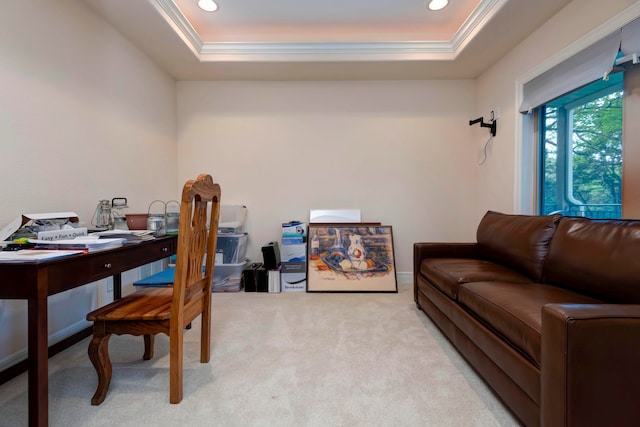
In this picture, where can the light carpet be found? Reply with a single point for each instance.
(290, 359)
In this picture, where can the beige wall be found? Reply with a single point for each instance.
(83, 116)
(399, 151)
(505, 182)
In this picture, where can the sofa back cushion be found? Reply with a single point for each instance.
(599, 258)
(520, 242)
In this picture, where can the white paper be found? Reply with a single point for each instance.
(26, 255)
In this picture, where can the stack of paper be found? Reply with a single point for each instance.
(87, 243)
(26, 255)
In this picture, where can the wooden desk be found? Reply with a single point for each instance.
(36, 281)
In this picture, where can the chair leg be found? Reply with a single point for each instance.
(205, 331)
(148, 347)
(205, 341)
(99, 356)
(175, 364)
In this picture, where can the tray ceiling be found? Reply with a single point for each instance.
(328, 40)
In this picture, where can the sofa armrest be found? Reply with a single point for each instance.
(590, 374)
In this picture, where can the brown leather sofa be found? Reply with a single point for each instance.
(547, 311)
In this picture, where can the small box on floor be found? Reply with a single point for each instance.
(273, 281)
(262, 282)
(249, 277)
(293, 253)
(271, 256)
(293, 277)
(294, 232)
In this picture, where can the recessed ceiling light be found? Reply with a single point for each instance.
(208, 5)
(438, 4)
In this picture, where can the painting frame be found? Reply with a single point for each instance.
(351, 257)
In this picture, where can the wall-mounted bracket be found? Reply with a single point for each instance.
(493, 127)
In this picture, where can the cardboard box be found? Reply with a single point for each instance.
(249, 277)
(273, 281)
(293, 277)
(293, 253)
(294, 229)
(293, 240)
(28, 219)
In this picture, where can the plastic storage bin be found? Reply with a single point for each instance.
(226, 277)
(232, 218)
(231, 248)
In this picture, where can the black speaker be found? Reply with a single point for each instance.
(271, 255)
(249, 277)
(262, 283)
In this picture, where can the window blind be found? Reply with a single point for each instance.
(630, 43)
(586, 66)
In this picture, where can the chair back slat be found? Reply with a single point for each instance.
(196, 245)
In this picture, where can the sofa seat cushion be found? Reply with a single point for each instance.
(447, 274)
(514, 310)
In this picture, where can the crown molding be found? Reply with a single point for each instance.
(179, 23)
(334, 51)
(480, 16)
(339, 51)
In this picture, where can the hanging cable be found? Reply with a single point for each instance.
(486, 145)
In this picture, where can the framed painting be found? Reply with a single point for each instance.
(350, 258)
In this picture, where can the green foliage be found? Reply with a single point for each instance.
(593, 157)
(597, 150)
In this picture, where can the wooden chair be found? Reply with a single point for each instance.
(167, 310)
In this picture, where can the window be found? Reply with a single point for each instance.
(581, 151)
(579, 128)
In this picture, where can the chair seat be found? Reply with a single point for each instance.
(145, 305)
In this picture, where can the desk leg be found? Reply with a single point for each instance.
(117, 286)
(38, 354)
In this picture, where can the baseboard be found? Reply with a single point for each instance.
(404, 278)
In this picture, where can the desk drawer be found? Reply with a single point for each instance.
(110, 263)
(99, 265)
